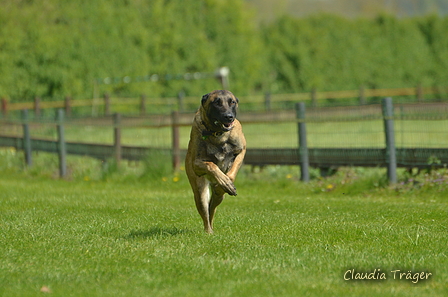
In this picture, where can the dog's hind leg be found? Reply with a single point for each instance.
(202, 200)
(216, 199)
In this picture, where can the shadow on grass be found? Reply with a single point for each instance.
(156, 232)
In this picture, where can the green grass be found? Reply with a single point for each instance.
(126, 234)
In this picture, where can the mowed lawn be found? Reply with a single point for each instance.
(276, 238)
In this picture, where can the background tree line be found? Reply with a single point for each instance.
(54, 48)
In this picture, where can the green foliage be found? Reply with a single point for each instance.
(52, 49)
(332, 53)
(55, 48)
(433, 28)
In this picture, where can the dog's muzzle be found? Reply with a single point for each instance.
(225, 126)
(226, 122)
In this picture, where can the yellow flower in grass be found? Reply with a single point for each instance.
(289, 176)
(175, 179)
(330, 187)
(164, 179)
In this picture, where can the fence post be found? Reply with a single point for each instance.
(117, 138)
(175, 140)
(142, 104)
(68, 106)
(303, 148)
(106, 104)
(26, 138)
(37, 107)
(391, 160)
(62, 149)
(267, 101)
(222, 74)
(4, 107)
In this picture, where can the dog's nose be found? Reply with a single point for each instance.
(229, 117)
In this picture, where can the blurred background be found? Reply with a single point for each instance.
(52, 49)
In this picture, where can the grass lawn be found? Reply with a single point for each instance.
(120, 236)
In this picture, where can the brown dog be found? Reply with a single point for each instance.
(215, 153)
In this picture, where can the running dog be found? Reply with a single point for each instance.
(215, 153)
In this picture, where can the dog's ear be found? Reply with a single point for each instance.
(205, 98)
(237, 101)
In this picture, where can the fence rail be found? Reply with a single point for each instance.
(314, 96)
(318, 157)
(338, 157)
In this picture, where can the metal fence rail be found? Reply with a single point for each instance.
(318, 157)
(100, 151)
(338, 157)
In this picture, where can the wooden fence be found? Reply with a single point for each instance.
(304, 156)
(181, 100)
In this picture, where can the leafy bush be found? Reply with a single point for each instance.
(53, 49)
(328, 52)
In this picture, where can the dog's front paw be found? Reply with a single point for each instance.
(231, 190)
(227, 185)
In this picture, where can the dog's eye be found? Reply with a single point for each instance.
(218, 102)
(232, 102)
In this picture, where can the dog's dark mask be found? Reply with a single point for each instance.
(221, 112)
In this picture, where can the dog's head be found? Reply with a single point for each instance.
(219, 109)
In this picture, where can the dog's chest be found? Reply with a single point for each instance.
(224, 154)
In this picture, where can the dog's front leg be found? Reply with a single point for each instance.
(236, 165)
(215, 174)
